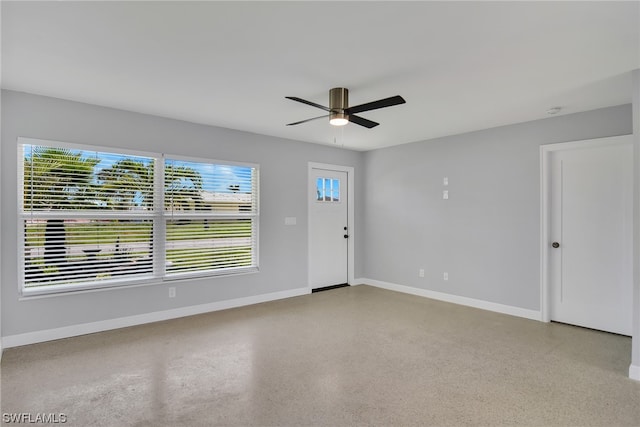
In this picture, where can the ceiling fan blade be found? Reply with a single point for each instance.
(381, 103)
(308, 120)
(304, 101)
(362, 121)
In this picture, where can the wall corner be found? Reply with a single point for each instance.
(634, 369)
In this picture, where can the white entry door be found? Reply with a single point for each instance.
(328, 228)
(590, 235)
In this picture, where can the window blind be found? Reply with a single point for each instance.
(96, 218)
(211, 217)
(87, 216)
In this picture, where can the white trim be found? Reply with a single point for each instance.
(455, 299)
(350, 171)
(122, 322)
(156, 282)
(588, 143)
(159, 231)
(545, 206)
(634, 369)
(76, 146)
(124, 150)
(544, 233)
(634, 372)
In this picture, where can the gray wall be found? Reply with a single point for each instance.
(634, 369)
(283, 174)
(486, 236)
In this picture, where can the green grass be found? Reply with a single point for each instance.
(129, 232)
(208, 230)
(207, 259)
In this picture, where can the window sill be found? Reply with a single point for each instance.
(76, 289)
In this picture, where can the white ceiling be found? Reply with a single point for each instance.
(461, 66)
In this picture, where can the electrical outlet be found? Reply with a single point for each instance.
(172, 292)
(421, 272)
(445, 276)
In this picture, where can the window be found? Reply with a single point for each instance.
(328, 190)
(99, 218)
(210, 216)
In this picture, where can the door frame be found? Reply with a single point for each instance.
(349, 170)
(545, 207)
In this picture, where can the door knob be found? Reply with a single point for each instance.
(555, 245)
(346, 236)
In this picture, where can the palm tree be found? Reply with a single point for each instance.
(127, 184)
(182, 187)
(57, 178)
(54, 179)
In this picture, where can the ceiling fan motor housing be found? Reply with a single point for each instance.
(338, 102)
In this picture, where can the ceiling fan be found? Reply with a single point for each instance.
(339, 111)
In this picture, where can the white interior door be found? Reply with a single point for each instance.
(590, 252)
(328, 228)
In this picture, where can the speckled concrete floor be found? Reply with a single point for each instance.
(350, 356)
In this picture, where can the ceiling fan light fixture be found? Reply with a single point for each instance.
(338, 119)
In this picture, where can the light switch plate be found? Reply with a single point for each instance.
(290, 220)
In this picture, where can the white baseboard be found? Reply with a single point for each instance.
(123, 322)
(634, 372)
(455, 299)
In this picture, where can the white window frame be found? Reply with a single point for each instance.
(196, 215)
(158, 217)
(340, 186)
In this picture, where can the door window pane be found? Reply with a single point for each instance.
(320, 189)
(327, 190)
(335, 190)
